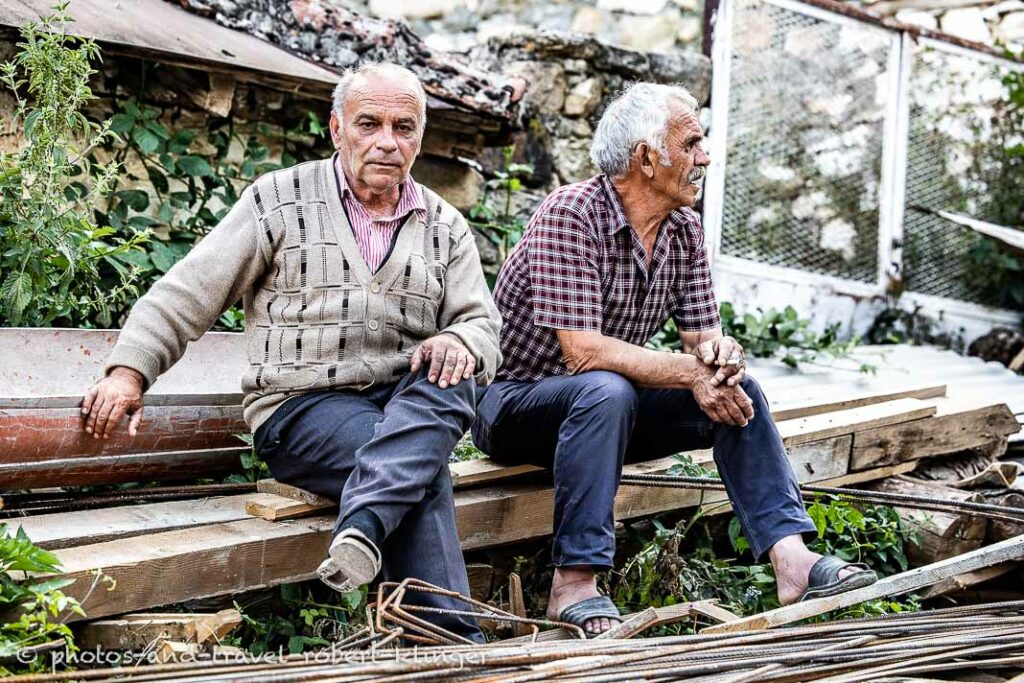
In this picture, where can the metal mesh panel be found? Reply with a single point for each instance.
(807, 104)
(955, 162)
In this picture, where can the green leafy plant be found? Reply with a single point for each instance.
(680, 563)
(254, 467)
(500, 225)
(190, 181)
(773, 333)
(57, 266)
(300, 617)
(32, 607)
(684, 466)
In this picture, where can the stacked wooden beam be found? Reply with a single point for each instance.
(840, 428)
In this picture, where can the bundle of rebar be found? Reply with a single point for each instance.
(968, 638)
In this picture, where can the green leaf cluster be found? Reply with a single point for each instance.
(499, 223)
(58, 266)
(302, 616)
(33, 608)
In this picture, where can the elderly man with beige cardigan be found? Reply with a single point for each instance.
(369, 326)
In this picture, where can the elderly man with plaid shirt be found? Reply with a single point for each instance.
(603, 265)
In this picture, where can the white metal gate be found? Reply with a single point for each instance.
(827, 134)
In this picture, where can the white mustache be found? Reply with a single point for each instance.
(696, 174)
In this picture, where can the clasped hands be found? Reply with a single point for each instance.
(716, 383)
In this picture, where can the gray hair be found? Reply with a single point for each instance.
(637, 114)
(388, 70)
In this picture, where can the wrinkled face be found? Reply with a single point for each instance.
(379, 132)
(681, 181)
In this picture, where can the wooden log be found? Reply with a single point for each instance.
(998, 529)
(941, 435)
(33, 435)
(941, 534)
(481, 580)
(275, 508)
(1005, 551)
(968, 580)
(115, 469)
(142, 630)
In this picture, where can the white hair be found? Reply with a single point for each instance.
(388, 70)
(637, 114)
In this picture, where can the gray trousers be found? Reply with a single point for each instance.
(385, 450)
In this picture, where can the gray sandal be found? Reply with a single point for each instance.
(824, 578)
(353, 561)
(583, 611)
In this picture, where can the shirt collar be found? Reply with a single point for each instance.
(410, 198)
(674, 221)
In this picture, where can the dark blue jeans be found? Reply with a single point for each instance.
(385, 450)
(586, 426)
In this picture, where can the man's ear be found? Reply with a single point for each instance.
(335, 127)
(643, 157)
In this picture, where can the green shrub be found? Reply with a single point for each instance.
(31, 607)
(57, 266)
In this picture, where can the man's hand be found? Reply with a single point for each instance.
(722, 403)
(109, 400)
(726, 354)
(450, 360)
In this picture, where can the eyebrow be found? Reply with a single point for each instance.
(696, 137)
(368, 117)
(407, 119)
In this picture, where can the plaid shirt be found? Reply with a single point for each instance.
(580, 266)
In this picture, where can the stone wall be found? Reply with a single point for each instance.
(656, 25)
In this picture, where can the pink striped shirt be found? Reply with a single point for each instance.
(374, 234)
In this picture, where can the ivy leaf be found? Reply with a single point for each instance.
(736, 537)
(122, 123)
(137, 200)
(195, 166)
(158, 180)
(144, 138)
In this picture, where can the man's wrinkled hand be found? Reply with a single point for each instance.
(450, 360)
(720, 402)
(109, 400)
(726, 355)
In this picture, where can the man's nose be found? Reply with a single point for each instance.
(701, 158)
(386, 140)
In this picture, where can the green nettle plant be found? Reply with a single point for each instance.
(500, 225)
(31, 607)
(57, 266)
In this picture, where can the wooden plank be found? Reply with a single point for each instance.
(33, 435)
(1009, 550)
(294, 492)
(114, 469)
(275, 508)
(852, 420)
(484, 471)
(252, 553)
(819, 403)
(187, 564)
(942, 434)
(66, 529)
(513, 512)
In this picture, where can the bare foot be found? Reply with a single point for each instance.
(571, 585)
(792, 562)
